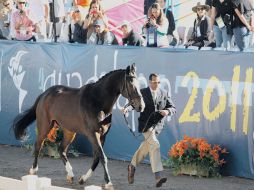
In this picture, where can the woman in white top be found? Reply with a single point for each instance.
(156, 27)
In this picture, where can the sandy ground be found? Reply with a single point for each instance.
(15, 162)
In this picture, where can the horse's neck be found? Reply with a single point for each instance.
(110, 89)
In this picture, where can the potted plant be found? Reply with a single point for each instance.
(195, 156)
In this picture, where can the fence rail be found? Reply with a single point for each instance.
(28, 182)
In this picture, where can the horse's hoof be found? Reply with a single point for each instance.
(108, 187)
(81, 181)
(69, 179)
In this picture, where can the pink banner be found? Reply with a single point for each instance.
(132, 11)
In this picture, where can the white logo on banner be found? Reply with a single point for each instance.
(17, 74)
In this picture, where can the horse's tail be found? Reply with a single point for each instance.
(23, 120)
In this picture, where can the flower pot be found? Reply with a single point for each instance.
(193, 170)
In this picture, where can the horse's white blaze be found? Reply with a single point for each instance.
(33, 171)
(69, 169)
(88, 175)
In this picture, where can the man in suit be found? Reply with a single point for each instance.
(151, 120)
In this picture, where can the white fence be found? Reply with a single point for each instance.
(28, 182)
(33, 182)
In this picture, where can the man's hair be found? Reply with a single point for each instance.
(153, 75)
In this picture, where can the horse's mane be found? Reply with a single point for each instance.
(106, 75)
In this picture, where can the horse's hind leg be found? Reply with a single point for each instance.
(68, 137)
(43, 130)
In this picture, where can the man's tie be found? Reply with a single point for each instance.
(154, 95)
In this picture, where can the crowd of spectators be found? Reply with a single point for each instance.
(219, 23)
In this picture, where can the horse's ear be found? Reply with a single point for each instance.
(131, 69)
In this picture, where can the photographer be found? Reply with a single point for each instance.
(156, 27)
(23, 25)
(221, 21)
(95, 13)
(5, 18)
(243, 25)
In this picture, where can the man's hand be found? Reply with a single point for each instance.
(164, 112)
(124, 110)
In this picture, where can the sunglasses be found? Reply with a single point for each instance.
(200, 9)
(22, 2)
(6, 4)
(77, 11)
(155, 82)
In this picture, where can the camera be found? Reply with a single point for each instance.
(227, 20)
(21, 11)
(228, 23)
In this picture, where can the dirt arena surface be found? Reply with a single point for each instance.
(15, 162)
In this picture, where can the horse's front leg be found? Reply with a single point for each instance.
(89, 173)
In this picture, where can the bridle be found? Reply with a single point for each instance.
(131, 101)
(130, 97)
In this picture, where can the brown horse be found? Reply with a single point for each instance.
(80, 111)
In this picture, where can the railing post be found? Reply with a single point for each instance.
(30, 181)
(43, 183)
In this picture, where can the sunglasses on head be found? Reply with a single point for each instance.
(6, 4)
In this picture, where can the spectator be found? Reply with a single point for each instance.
(95, 13)
(58, 9)
(200, 29)
(79, 33)
(221, 21)
(243, 24)
(156, 27)
(5, 18)
(101, 36)
(130, 38)
(40, 9)
(171, 21)
(22, 22)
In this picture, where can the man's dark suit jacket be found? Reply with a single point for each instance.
(163, 102)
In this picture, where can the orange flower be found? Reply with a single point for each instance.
(224, 151)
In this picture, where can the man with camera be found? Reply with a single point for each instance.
(221, 22)
(24, 26)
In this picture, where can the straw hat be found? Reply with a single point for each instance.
(199, 5)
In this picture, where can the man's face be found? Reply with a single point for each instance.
(98, 29)
(124, 30)
(154, 83)
(21, 5)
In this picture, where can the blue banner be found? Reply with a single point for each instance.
(212, 91)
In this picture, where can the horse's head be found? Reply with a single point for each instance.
(131, 89)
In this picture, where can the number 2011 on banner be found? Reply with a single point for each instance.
(215, 83)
